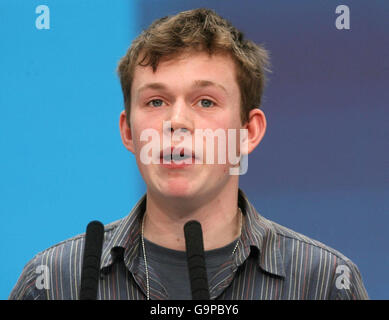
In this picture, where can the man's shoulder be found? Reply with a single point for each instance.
(48, 268)
(76, 241)
(294, 238)
(288, 241)
(313, 264)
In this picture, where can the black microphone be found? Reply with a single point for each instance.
(196, 260)
(91, 262)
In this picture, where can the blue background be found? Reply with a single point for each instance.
(322, 168)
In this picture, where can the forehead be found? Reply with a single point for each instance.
(188, 68)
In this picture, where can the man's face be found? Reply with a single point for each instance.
(192, 91)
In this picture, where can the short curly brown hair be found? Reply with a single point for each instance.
(202, 30)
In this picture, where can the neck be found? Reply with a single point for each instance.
(218, 214)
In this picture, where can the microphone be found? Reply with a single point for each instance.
(196, 260)
(91, 262)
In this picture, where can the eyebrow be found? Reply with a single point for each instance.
(196, 84)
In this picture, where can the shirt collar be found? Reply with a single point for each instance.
(257, 232)
(125, 236)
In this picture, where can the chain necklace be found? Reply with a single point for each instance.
(145, 258)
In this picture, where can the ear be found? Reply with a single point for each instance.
(256, 128)
(125, 132)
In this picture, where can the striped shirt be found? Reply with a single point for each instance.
(270, 262)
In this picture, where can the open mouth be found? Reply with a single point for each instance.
(176, 157)
(185, 156)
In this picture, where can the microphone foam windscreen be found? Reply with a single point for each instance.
(91, 262)
(196, 260)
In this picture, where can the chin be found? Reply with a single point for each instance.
(178, 190)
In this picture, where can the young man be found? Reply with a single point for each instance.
(188, 73)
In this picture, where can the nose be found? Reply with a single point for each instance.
(180, 117)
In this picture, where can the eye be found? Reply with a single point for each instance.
(206, 103)
(155, 103)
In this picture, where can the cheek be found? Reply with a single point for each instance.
(229, 145)
(140, 125)
(138, 144)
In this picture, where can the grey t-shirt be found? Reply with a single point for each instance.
(172, 269)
